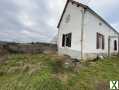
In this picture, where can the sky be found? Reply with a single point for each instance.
(36, 20)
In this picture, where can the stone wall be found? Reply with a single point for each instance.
(28, 48)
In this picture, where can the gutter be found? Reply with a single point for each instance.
(109, 38)
(82, 31)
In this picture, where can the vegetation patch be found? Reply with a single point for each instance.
(47, 72)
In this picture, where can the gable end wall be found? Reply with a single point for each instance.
(92, 25)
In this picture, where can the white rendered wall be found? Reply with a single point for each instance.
(74, 27)
(91, 27)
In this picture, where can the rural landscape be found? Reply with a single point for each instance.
(47, 71)
(59, 45)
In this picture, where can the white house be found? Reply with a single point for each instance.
(83, 34)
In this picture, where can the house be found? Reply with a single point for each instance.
(83, 34)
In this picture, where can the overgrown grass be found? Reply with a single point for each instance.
(46, 72)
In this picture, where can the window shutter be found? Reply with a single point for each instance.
(69, 40)
(100, 41)
(115, 45)
(103, 42)
(63, 40)
(66, 40)
(97, 41)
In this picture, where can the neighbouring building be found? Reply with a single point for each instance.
(83, 34)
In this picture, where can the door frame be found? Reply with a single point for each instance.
(109, 44)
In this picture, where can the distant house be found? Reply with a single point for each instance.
(54, 40)
(83, 34)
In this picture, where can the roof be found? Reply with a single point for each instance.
(86, 8)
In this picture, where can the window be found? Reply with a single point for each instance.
(100, 41)
(66, 40)
(115, 45)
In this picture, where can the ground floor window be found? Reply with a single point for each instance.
(66, 40)
(100, 41)
(115, 45)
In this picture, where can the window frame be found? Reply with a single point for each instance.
(100, 45)
(115, 45)
(66, 40)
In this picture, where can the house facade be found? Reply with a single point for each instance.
(83, 34)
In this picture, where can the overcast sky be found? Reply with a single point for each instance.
(36, 20)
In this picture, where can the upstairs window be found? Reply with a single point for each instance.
(68, 17)
(66, 40)
(100, 41)
(115, 45)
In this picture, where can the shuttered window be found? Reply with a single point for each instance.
(100, 41)
(66, 40)
(63, 40)
(115, 45)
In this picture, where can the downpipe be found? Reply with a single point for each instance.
(82, 31)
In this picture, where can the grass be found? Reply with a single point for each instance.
(46, 72)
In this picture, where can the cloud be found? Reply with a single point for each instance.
(107, 9)
(29, 20)
(36, 20)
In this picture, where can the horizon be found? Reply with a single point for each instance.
(36, 21)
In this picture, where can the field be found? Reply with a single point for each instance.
(47, 72)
